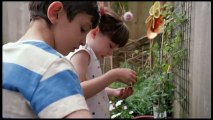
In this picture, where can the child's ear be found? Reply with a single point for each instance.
(53, 11)
(94, 32)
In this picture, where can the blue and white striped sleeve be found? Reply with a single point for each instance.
(44, 78)
(58, 93)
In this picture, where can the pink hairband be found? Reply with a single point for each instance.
(101, 7)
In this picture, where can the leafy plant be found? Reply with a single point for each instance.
(155, 84)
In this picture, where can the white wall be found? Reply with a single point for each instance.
(15, 20)
(201, 61)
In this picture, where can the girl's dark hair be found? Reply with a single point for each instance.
(112, 26)
(38, 9)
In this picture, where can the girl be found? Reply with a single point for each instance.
(111, 33)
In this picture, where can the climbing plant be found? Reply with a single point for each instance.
(155, 84)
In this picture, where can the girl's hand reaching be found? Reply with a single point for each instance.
(125, 75)
(122, 93)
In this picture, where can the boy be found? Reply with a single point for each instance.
(38, 81)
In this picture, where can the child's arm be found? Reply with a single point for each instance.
(80, 62)
(82, 113)
(120, 93)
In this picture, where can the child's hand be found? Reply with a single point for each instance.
(123, 93)
(125, 75)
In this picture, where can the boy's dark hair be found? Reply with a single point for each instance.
(113, 26)
(38, 9)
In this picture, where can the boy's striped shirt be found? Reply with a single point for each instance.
(35, 72)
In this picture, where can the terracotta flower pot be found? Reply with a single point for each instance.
(144, 117)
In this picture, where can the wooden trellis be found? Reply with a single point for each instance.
(136, 51)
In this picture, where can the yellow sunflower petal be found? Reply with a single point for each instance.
(153, 22)
(156, 6)
(148, 19)
(157, 13)
(151, 11)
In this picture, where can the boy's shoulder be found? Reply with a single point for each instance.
(35, 47)
(34, 55)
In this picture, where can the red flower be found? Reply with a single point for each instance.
(157, 24)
